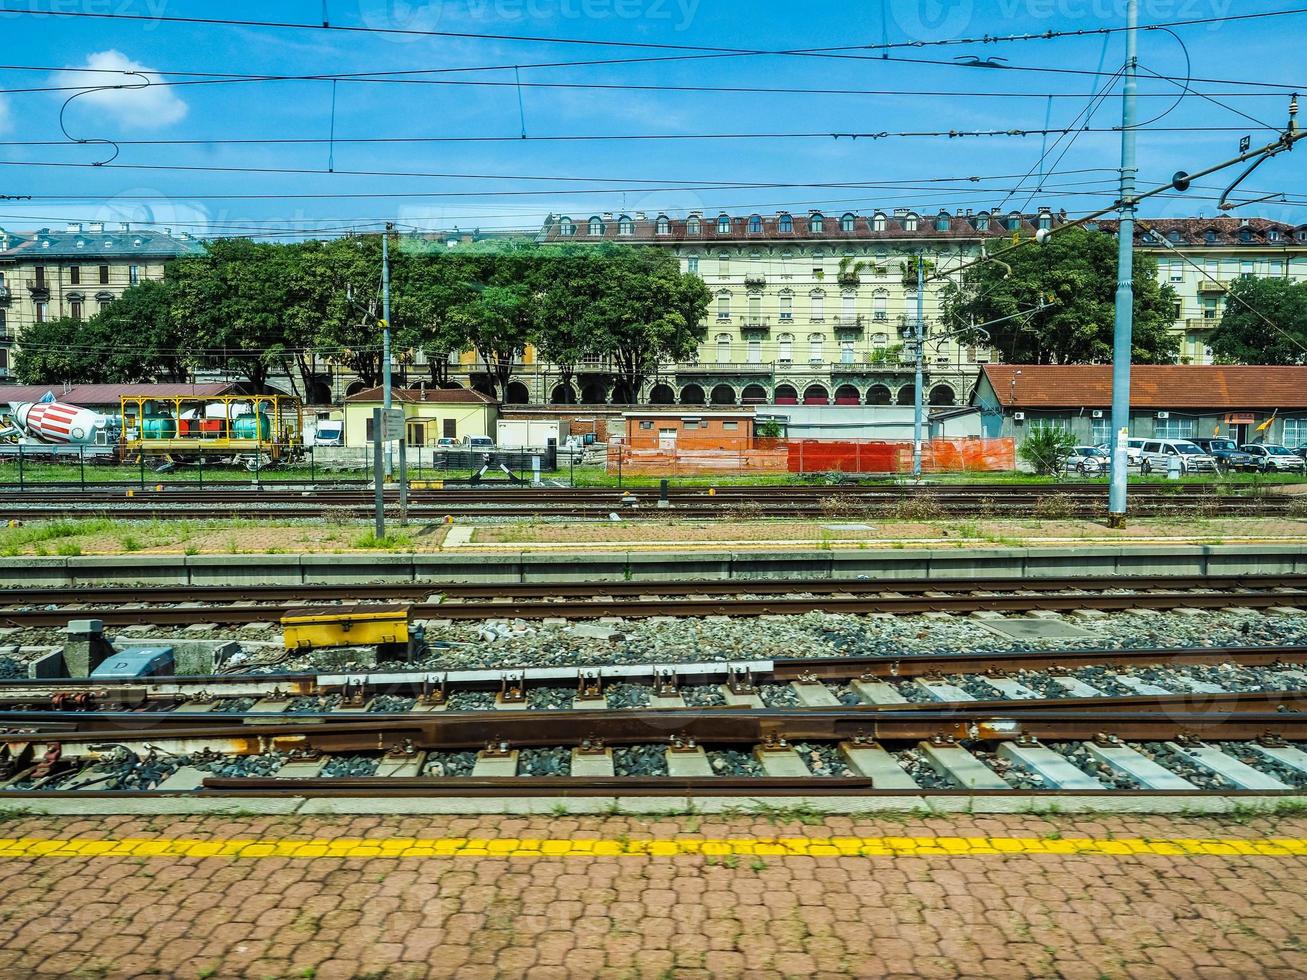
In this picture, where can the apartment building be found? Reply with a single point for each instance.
(46, 275)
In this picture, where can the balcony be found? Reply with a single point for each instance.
(1202, 322)
(723, 370)
(39, 288)
(849, 325)
(755, 324)
(1209, 286)
(755, 282)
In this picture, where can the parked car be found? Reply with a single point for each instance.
(444, 442)
(1227, 452)
(1157, 454)
(1133, 447)
(478, 442)
(1088, 461)
(1275, 458)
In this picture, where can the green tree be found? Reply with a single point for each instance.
(1244, 337)
(1047, 448)
(1074, 272)
(138, 338)
(60, 351)
(426, 290)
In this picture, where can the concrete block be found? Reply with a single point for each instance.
(402, 768)
(1056, 769)
(1241, 774)
(877, 765)
(686, 765)
(1200, 687)
(987, 615)
(1012, 689)
(734, 700)
(1088, 614)
(184, 780)
(675, 701)
(938, 615)
(781, 762)
(592, 764)
(1288, 755)
(494, 765)
(939, 691)
(270, 705)
(46, 668)
(878, 692)
(1126, 760)
(814, 695)
(1140, 687)
(85, 647)
(303, 768)
(956, 763)
(1078, 688)
(553, 621)
(591, 631)
(1044, 614)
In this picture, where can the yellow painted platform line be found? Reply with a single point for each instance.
(412, 847)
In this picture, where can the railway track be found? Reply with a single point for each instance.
(36, 608)
(726, 502)
(166, 736)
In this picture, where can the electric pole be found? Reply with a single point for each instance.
(387, 396)
(918, 400)
(1123, 332)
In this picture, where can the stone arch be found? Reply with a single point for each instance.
(622, 394)
(594, 392)
(907, 395)
(320, 393)
(847, 395)
(816, 395)
(662, 394)
(354, 388)
(754, 395)
(943, 395)
(562, 395)
(692, 395)
(786, 395)
(516, 393)
(880, 395)
(723, 395)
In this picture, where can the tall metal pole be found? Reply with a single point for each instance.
(386, 392)
(1125, 278)
(918, 399)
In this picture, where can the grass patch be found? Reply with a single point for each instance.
(391, 542)
(14, 539)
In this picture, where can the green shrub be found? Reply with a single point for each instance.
(1047, 449)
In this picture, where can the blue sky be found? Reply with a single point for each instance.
(652, 175)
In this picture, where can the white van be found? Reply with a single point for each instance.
(1157, 454)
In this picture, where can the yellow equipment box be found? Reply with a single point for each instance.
(345, 626)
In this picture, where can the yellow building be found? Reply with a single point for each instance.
(76, 272)
(431, 414)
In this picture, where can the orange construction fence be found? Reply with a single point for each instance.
(815, 456)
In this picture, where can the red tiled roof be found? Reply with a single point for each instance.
(436, 396)
(109, 394)
(1164, 386)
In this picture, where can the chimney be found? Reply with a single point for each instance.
(96, 227)
(124, 227)
(74, 227)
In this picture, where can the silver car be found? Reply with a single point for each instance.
(1157, 456)
(1275, 458)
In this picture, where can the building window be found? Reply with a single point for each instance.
(1246, 267)
(596, 227)
(942, 222)
(1100, 431)
(818, 305)
(755, 224)
(1209, 236)
(787, 306)
(786, 223)
(1014, 221)
(816, 342)
(848, 306)
(625, 226)
(755, 352)
(1173, 428)
(75, 275)
(1295, 433)
(42, 312)
(4, 329)
(723, 263)
(134, 275)
(567, 228)
(910, 223)
(815, 224)
(846, 223)
(723, 348)
(880, 305)
(723, 306)
(880, 340)
(664, 226)
(982, 222)
(39, 271)
(878, 222)
(75, 309)
(846, 352)
(1245, 235)
(646, 425)
(692, 264)
(1046, 222)
(723, 225)
(104, 275)
(693, 226)
(785, 348)
(4, 360)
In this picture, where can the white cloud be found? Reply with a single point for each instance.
(6, 119)
(133, 108)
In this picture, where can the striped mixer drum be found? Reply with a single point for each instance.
(58, 423)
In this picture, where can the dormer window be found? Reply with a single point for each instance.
(846, 223)
(1245, 235)
(878, 222)
(1173, 237)
(1302, 235)
(815, 224)
(693, 226)
(1046, 222)
(786, 223)
(1209, 236)
(566, 227)
(755, 224)
(942, 222)
(1014, 221)
(1273, 235)
(596, 228)
(910, 223)
(724, 225)
(663, 226)
(625, 226)
(982, 222)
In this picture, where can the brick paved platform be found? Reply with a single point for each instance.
(1009, 896)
